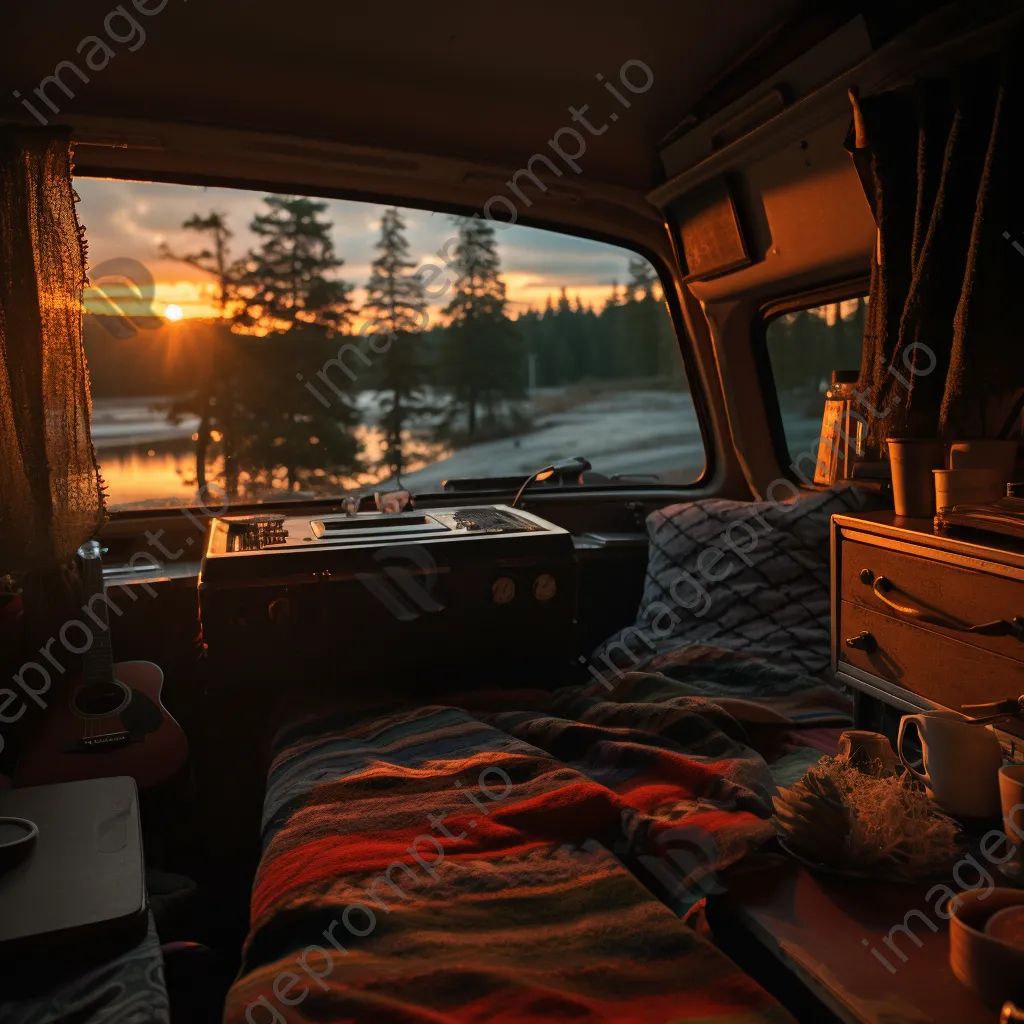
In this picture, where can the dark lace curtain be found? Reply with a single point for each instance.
(941, 166)
(50, 496)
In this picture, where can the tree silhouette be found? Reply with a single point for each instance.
(215, 261)
(284, 282)
(642, 279)
(631, 338)
(284, 313)
(396, 309)
(804, 350)
(652, 340)
(484, 360)
(213, 400)
(287, 299)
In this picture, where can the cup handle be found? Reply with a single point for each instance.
(904, 722)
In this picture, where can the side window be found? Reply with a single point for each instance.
(277, 346)
(805, 348)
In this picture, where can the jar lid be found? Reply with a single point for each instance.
(845, 376)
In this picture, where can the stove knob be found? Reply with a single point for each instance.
(503, 590)
(545, 587)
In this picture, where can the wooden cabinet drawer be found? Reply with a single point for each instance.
(943, 670)
(920, 598)
(940, 598)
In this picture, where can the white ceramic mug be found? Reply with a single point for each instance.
(1011, 792)
(961, 763)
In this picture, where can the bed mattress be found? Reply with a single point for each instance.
(512, 856)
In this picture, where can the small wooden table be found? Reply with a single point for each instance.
(824, 930)
(85, 878)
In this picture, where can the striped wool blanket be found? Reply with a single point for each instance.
(509, 856)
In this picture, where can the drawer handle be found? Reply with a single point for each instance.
(883, 587)
(997, 709)
(863, 641)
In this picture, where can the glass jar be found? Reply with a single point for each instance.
(843, 430)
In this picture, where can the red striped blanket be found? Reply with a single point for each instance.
(502, 856)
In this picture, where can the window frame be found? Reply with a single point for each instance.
(840, 291)
(684, 343)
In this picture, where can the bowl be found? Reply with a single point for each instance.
(990, 966)
(1007, 925)
(17, 838)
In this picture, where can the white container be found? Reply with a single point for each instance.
(961, 762)
(967, 486)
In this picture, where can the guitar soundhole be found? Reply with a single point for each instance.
(98, 700)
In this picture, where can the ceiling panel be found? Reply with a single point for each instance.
(467, 80)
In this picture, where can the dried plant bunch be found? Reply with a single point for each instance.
(849, 818)
(813, 817)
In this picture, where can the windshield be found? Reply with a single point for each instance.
(268, 347)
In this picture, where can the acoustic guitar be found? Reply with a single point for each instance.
(111, 721)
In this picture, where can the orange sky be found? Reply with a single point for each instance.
(196, 292)
(134, 220)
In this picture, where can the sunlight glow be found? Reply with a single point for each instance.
(173, 311)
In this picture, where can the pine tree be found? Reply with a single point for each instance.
(213, 400)
(654, 351)
(216, 261)
(549, 346)
(614, 334)
(485, 361)
(642, 278)
(573, 338)
(285, 282)
(289, 301)
(396, 305)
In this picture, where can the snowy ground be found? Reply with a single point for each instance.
(651, 433)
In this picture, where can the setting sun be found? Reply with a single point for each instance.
(173, 311)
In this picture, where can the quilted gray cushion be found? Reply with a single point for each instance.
(747, 577)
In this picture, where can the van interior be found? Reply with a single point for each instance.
(511, 513)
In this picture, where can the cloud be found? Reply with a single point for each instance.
(127, 218)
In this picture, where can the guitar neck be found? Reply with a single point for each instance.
(98, 660)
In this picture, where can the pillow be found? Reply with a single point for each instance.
(752, 578)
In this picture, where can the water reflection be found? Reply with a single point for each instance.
(147, 462)
(630, 436)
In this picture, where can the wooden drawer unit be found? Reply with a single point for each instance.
(922, 620)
